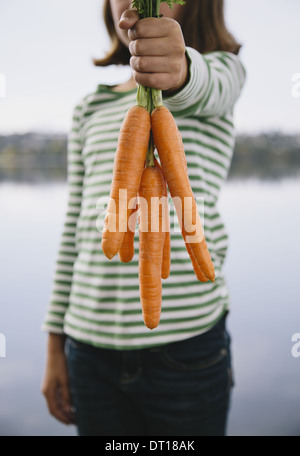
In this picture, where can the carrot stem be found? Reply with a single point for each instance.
(142, 97)
(150, 152)
(149, 100)
(157, 98)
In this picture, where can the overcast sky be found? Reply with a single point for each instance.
(46, 51)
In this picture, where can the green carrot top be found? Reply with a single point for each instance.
(150, 8)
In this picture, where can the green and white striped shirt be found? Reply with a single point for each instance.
(96, 300)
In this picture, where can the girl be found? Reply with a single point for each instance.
(103, 363)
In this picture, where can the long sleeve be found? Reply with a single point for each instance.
(59, 300)
(216, 80)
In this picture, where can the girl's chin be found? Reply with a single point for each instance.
(123, 37)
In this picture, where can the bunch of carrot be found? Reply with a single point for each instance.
(139, 189)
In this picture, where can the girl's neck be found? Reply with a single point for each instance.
(125, 86)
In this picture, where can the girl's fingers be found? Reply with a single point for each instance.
(66, 405)
(55, 406)
(153, 65)
(152, 27)
(159, 72)
(150, 47)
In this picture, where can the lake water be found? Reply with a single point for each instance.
(262, 269)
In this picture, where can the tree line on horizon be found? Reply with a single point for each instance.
(36, 157)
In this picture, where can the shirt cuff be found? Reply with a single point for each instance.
(53, 328)
(184, 101)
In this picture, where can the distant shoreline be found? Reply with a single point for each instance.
(37, 157)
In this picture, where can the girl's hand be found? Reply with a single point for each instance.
(158, 51)
(55, 385)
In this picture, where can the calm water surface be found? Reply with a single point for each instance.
(262, 269)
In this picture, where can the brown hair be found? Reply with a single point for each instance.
(203, 30)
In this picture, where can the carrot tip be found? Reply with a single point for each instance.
(211, 276)
(151, 323)
(107, 251)
(151, 327)
(211, 279)
(125, 260)
(165, 277)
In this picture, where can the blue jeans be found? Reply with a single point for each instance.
(182, 388)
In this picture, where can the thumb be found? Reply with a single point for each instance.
(128, 19)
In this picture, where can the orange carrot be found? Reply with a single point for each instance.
(166, 263)
(151, 244)
(126, 251)
(199, 273)
(128, 167)
(169, 146)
